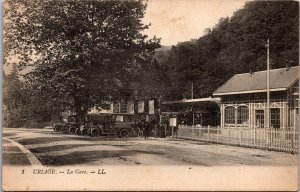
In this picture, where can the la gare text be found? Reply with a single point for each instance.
(68, 171)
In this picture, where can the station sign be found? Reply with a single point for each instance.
(151, 106)
(141, 106)
(130, 107)
(173, 122)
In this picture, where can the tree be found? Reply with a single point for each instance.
(13, 99)
(236, 45)
(82, 53)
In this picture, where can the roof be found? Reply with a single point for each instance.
(280, 80)
(209, 99)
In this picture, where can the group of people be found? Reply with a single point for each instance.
(156, 129)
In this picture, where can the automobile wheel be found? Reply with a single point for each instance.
(140, 133)
(123, 133)
(77, 131)
(61, 129)
(84, 132)
(101, 132)
(94, 132)
(155, 134)
(65, 129)
(72, 130)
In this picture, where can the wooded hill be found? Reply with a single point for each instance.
(234, 45)
(102, 69)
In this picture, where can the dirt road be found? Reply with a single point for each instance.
(57, 149)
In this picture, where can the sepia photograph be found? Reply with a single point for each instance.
(150, 95)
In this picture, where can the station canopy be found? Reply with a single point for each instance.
(188, 105)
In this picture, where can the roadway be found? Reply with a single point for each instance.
(25, 147)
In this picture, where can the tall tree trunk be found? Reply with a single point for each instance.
(80, 110)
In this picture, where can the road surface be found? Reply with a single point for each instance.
(23, 146)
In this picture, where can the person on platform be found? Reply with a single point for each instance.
(146, 130)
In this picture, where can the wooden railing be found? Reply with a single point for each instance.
(264, 138)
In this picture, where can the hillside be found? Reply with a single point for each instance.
(162, 54)
(234, 45)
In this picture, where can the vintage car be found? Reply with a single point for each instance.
(68, 126)
(121, 125)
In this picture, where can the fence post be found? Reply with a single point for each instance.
(165, 131)
(199, 133)
(218, 133)
(293, 138)
(272, 137)
(254, 135)
(241, 135)
(228, 134)
(268, 137)
(208, 132)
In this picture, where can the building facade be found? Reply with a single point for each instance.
(192, 112)
(244, 100)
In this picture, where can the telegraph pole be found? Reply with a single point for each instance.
(192, 94)
(192, 89)
(268, 84)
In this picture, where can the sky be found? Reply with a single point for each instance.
(182, 20)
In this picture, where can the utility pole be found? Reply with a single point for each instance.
(192, 107)
(192, 91)
(268, 84)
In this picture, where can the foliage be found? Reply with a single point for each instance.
(82, 53)
(235, 45)
(12, 99)
(23, 107)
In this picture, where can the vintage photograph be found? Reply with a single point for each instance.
(150, 95)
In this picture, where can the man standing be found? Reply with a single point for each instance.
(146, 130)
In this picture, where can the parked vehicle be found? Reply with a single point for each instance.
(94, 125)
(68, 126)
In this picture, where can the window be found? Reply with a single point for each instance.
(230, 115)
(242, 115)
(275, 118)
(119, 118)
(71, 120)
(260, 118)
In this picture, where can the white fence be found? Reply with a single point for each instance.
(271, 139)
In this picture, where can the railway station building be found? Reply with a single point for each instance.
(244, 99)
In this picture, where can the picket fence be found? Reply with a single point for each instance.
(263, 138)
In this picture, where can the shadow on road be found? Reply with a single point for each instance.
(12, 155)
(84, 157)
(43, 140)
(58, 148)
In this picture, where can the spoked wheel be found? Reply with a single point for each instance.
(140, 133)
(72, 130)
(65, 129)
(77, 131)
(94, 132)
(123, 133)
(156, 134)
(84, 132)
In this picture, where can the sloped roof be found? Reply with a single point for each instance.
(280, 79)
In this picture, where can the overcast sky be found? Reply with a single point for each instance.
(182, 20)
